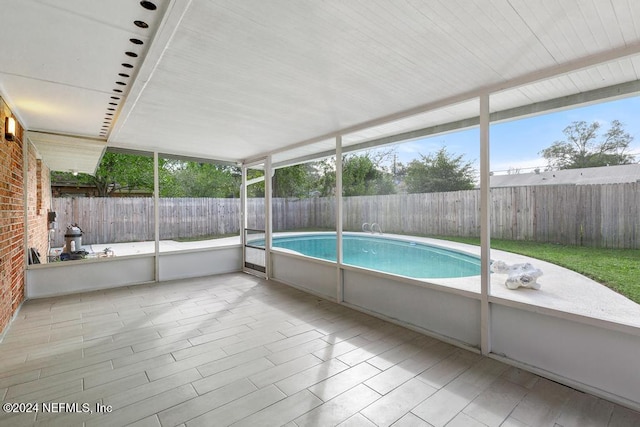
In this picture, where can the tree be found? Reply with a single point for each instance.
(294, 181)
(197, 179)
(127, 172)
(288, 181)
(583, 149)
(362, 175)
(116, 172)
(440, 172)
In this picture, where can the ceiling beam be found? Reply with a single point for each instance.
(160, 43)
(556, 104)
(529, 78)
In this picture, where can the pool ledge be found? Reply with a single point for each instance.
(562, 290)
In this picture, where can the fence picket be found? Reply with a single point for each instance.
(592, 215)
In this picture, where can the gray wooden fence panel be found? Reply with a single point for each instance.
(591, 215)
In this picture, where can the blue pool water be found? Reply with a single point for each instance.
(394, 256)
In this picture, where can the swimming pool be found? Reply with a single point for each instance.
(403, 257)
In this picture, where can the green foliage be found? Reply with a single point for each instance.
(440, 172)
(192, 179)
(294, 181)
(583, 149)
(116, 173)
(256, 189)
(119, 172)
(298, 181)
(362, 175)
(326, 184)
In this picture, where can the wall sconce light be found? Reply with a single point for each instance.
(74, 172)
(9, 128)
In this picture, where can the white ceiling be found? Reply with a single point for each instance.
(237, 79)
(68, 153)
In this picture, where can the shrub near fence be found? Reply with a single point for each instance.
(591, 215)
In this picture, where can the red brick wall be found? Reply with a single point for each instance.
(12, 230)
(11, 222)
(39, 203)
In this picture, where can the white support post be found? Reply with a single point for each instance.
(268, 181)
(338, 195)
(156, 215)
(243, 213)
(485, 228)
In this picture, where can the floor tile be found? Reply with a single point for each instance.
(311, 376)
(339, 408)
(144, 408)
(228, 376)
(495, 404)
(411, 420)
(228, 362)
(150, 421)
(207, 347)
(239, 408)
(343, 381)
(358, 420)
(297, 351)
(149, 389)
(283, 411)
(235, 349)
(464, 420)
(204, 403)
(282, 371)
(543, 404)
(623, 417)
(93, 379)
(400, 353)
(54, 380)
(585, 410)
(448, 369)
(392, 406)
(446, 403)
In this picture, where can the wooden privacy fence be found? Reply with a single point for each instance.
(131, 219)
(591, 215)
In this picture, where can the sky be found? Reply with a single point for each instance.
(517, 144)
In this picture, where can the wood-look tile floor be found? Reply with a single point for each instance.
(237, 350)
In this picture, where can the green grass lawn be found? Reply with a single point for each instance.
(206, 237)
(619, 269)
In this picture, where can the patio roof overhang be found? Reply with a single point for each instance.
(237, 80)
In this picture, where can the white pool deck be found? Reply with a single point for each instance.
(561, 289)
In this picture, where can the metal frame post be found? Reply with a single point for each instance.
(156, 215)
(268, 183)
(485, 228)
(339, 213)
